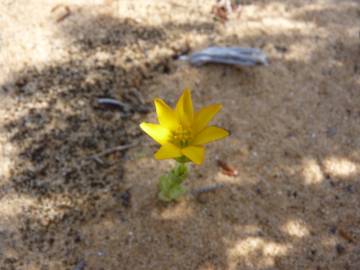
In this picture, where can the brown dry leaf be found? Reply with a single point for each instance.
(226, 168)
(346, 236)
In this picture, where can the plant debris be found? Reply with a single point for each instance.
(61, 12)
(344, 234)
(236, 56)
(226, 168)
(113, 104)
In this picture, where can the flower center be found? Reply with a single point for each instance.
(182, 136)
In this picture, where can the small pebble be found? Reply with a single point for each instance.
(333, 229)
(281, 49)
(331, 132)
(349, 188)
(202, 198)
(340, 249)
(80, 265)
(126, 198)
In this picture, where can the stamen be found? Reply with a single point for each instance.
(182, 136)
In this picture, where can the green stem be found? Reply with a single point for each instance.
(171, 184)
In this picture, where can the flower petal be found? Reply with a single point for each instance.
(159, 133)
(204, 116)
(184, 109)
(210, 134)
(166, 115)
(194, 153)
(168, 151)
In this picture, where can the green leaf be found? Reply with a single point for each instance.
(171, 184)
(165, 182)
(164, 197)
(177, 192)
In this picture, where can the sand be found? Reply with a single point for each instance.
(294, 123)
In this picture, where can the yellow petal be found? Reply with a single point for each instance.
(184, 109)
(204, 116)
(159, 133)
(168, 151)
(166, 115)
(210, 134)
(194, 153)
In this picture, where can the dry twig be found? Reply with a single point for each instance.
(109, 151)
(209, 188)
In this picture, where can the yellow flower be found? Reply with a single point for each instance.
(181, 131)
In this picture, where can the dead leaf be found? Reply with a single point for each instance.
(61, 12)
(226, 168)
(346, 236)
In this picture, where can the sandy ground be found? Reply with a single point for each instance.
(294, 141)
